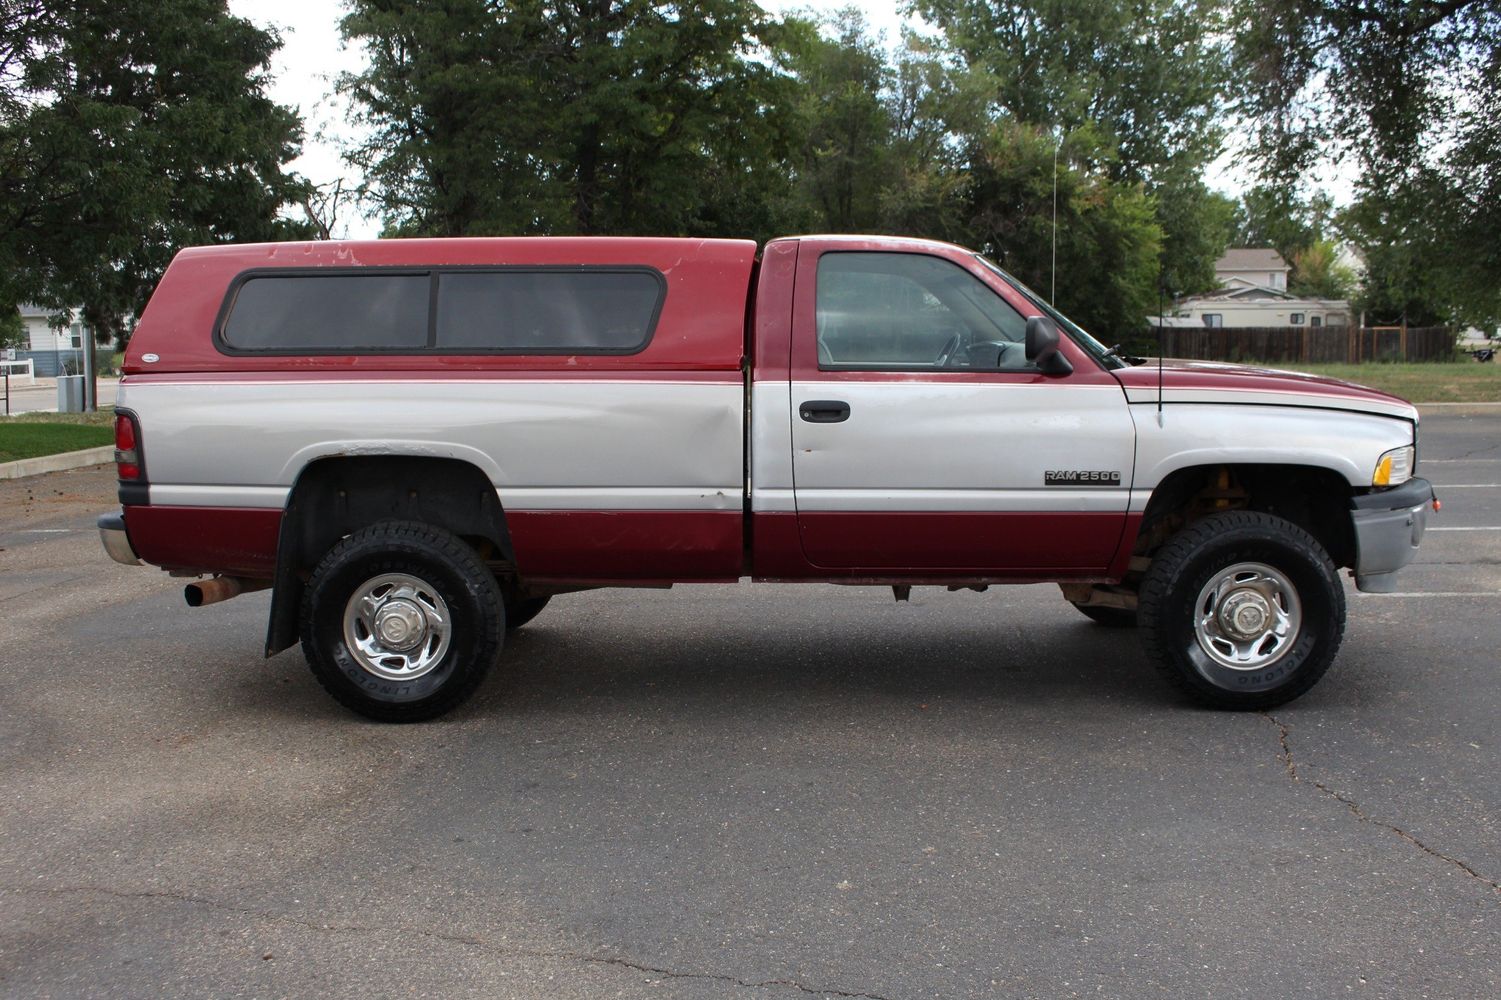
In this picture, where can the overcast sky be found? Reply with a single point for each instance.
(312, 56)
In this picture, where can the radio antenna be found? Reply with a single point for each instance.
(1161, 345)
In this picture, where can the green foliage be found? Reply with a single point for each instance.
(1108, 238)
(585, 116)
(1143, 77)
(128, 129)
(12, 329)
(846, 156)
(1410, 90)
(1318, 273)
(1196, 228)
(1127, 93)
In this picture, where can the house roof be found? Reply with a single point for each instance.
(1251, 259)
(1238, 288)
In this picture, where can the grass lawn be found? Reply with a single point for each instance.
(36, 434)
(1456, 382)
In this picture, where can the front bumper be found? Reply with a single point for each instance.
(116, 541)
(1388, 527)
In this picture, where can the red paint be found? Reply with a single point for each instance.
(702, 325)
(1129, 532)
(772, 323)
(627, 545)
(408, 378)
(777, 551)
(1178, 374)
(988, 542)
(238, 541)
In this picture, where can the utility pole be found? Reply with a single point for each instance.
(91, 384)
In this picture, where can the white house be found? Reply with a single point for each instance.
(1252, 267)
(1254, 293)
(51, 348)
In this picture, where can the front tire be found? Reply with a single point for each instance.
(523, 610)
(401, 621)
(1242, 610)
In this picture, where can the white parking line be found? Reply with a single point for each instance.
(1466, 461)
(1488, 528)
(1435, 593)
(1466, 486)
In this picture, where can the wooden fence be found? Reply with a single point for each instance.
(1312, 345)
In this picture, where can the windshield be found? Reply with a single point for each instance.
(1078, 333)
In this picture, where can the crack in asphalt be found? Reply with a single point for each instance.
(1475, 451)
(464, 939)
(1291, 764)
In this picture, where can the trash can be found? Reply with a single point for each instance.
(70, 394)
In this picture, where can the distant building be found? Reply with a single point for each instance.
(1252, 267)
(52, 348)
(1254, 293)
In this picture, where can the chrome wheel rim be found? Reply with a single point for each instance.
(396, 627)
(1248, 617)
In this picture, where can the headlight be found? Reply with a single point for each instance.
(1394, 467)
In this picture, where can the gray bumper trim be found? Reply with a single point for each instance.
(116, 541)
(1387, 539)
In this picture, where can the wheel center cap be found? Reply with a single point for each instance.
(400, 625)
(1245, 614)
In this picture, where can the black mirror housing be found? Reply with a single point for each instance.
(1042, 347)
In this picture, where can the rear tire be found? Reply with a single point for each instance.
(1242, 610)
(401, 621)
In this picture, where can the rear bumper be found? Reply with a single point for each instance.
(115, 540)
(1388, 529)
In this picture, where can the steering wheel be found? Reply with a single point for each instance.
(946, 355)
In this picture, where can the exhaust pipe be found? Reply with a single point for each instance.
(220, 588)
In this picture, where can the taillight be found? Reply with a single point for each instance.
(127, 447)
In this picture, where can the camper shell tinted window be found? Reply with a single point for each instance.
(507, 310)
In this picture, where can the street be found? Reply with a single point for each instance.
(41, 395)
(748, 790)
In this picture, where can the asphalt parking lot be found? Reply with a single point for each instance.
(748, 791)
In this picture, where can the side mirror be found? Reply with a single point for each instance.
(1042, 347)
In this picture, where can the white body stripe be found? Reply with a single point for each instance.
(555, 444)
(1347, 443)
(771, 447)
(961, 446)
(1262, 397)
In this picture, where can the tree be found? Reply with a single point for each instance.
(1317, 272)
(1143, 77)
(1127, 92)
(844, 159)
(1410, 91)
(584, 116)
(1109, 241)
(12, 329)
(1196, 228)
(130, 128)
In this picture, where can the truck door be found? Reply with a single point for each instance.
(924, 441)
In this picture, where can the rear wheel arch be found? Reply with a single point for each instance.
(335, 497)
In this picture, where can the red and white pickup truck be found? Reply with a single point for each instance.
(417, 443)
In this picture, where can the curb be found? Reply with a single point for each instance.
(61, 462)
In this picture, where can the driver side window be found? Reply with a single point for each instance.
(908, 311)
